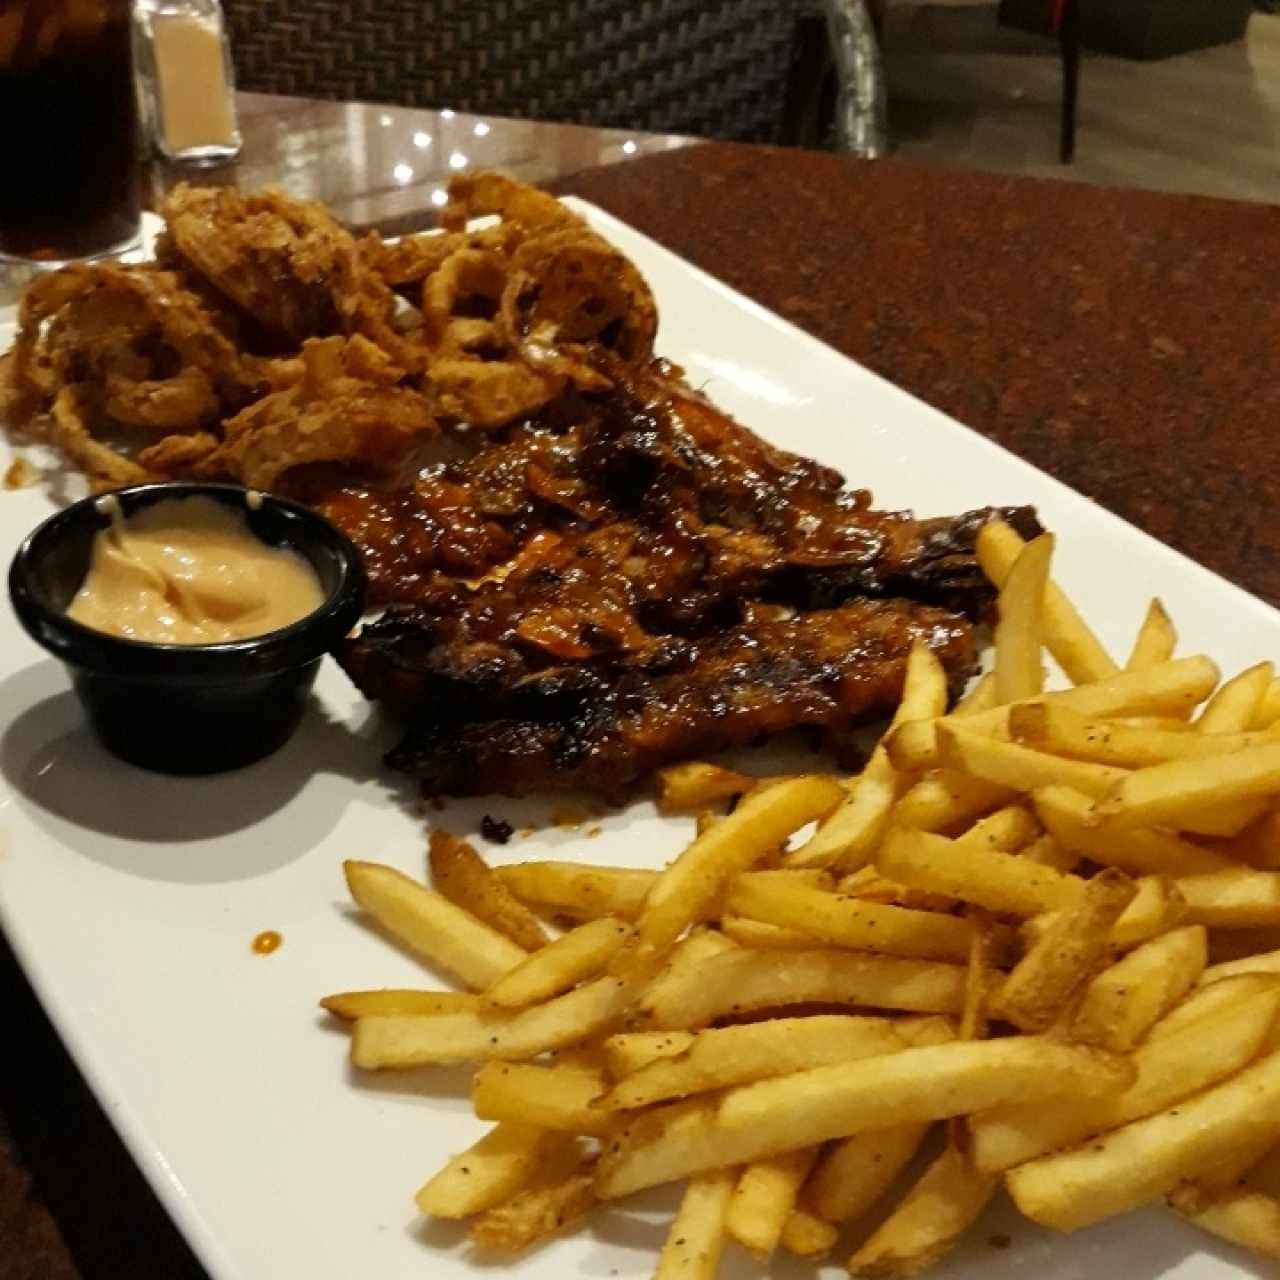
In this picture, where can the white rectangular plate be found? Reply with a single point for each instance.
(131, 899)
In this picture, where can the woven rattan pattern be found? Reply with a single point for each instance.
(713, 67)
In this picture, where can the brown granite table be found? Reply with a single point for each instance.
(1125, 342)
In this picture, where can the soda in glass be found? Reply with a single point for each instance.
(69, 151)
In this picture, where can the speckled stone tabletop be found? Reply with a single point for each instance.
(1128, 343)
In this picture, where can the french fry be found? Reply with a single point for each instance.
(1232, 899)
(1156, 908)
(1066, 635)
(1193, 1055)
(1225, 820)
(1168, 724)
(974, 1023)
(924, 689)
(948, 801)
(856, 1172)
(556, 1097)
(380, 1043)
(763, 1200)
(1177, 793)
(755, 933)
(460, 874)
(1049, 853)
(1005, 831)
(1258, 844)
(666, 1143)
(686, 961)
(1048, 727)
(695, 786)
(1125, 1001)
(929, 1220)
(808, 1236)
(678, 1140)
(630, 1051)
(1223, 1176)
(841, 921)
(913, 747)
(1209, 999)
(1241, 1216)
(350, 1005)
(1141, 1069)
(916, 1086)
(1065, 814)
(727, 1056)
(1056, 966)
(1268, 709)
(1019, 632)
(1009, 764)
(588, 1058)
(742, 981)
(1175, 688)
(578, 889)
(490, 1171)
(432, 926)
(537, 1213)
(1232, 708)
(1001, 882)
(978, 980)
(981, 697)
(848, 837)
(1268, 962)
(696, 1238)
(777, 878)
(1156, 640)
(869, 885)
(560, 965)
(765, 818)
(1144, 1160)
(925, 1029)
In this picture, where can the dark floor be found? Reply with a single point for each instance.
(965, 92)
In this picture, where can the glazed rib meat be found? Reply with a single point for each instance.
(485, 722)
(583, 600)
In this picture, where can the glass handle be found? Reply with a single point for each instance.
(861, 116)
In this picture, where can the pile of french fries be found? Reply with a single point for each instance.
(1050, 920)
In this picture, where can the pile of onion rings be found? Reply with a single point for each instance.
(265, 337)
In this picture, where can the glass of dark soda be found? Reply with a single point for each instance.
(69, 156)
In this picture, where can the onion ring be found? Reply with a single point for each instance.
(489, 393)
(465, 277)
(570, 294)
(69, 431)
(166, 404)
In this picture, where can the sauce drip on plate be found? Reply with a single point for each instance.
(266, 942)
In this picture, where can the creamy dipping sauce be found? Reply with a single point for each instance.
(190, 571)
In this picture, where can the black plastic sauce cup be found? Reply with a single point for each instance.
(179, 708)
